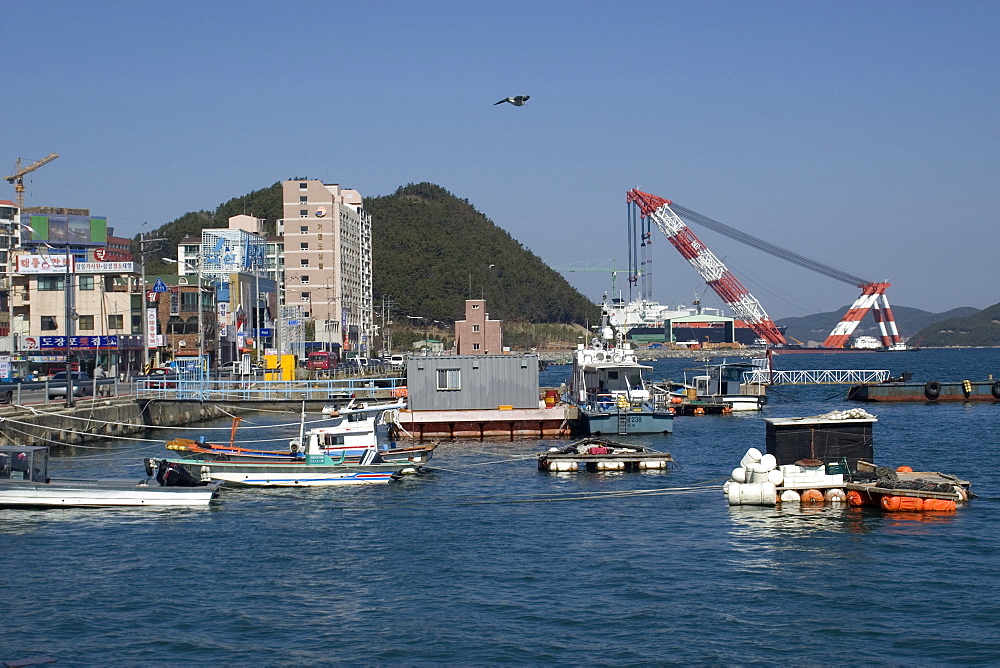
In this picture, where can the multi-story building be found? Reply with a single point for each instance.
(241, 267)
(328, 261)
(478, 334)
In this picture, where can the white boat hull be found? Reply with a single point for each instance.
(304, 478)
(102, 493)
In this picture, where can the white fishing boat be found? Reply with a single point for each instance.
(344, 451)
(723, 383)
(24, 482)
(609, 392)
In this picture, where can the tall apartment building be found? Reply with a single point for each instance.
(328, 261)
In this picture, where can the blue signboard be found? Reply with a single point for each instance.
(56, 342)
(159, 286)
(264, 332)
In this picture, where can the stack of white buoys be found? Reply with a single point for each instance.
(852, 414)
(562, 467)
(755, 481)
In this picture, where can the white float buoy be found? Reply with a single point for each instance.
(790, 496)
(775, 477)
(768, 462)
(752, 456)
(739, 474)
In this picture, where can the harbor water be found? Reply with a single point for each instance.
(484, 560)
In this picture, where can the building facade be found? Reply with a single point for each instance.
(478, 334)
(328, 261)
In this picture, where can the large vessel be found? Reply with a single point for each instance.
(648, 321)
(608, 392)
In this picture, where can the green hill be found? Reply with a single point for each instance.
(979, 329)
(430, 250)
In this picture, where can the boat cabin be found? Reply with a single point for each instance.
(28, 463)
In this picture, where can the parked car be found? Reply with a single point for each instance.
(160, 378)
(396, 362)
(83, 384)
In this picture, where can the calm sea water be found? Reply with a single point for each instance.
(486, 560)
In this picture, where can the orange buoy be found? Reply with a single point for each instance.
(676, 400)
(811, 496)
(726, 410)
(904, 469)
(854, 498)
(699, 411)
(945, 505)
(902, 504)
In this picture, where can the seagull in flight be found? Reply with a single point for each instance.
(518, 101)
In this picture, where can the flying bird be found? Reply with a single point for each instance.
(518, 101)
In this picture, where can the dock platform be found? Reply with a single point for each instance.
(593, 454)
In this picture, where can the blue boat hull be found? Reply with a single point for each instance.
(633, 422)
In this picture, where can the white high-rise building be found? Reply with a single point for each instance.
(328, 261)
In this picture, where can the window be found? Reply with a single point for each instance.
(304, 245)
(305, 296)
(52, 283)
(116, 322)
(304, 279)
(303, 199)
(49, 323)
(303, 185)
(189, 301)
(475, 346)
(304, 262)
(303, 213)
(86, 282)
(475, 306)
(85, 323)
(175, 325)
(449, 379)
(475, 328)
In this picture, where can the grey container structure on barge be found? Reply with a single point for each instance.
(476, 397)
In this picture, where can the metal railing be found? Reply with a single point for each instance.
(271, 390)
(817, 377)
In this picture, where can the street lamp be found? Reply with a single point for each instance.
(201, 326)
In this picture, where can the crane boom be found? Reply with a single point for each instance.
(743, 304)
(17, 178)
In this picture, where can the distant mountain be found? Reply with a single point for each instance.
(909, 321)
(982, 328)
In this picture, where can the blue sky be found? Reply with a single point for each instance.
(864, 135)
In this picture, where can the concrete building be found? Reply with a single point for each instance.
(478, 334)
(328, 261)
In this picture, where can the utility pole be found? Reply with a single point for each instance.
(144, 302)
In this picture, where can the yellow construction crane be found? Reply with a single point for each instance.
(17, 178)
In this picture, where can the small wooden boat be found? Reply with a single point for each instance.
(24, 482)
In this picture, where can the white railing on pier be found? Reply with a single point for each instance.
(816, 377)
(271, 390)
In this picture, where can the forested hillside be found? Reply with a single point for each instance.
(430, 250)
(979, 329)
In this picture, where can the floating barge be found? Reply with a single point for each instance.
(479, 425)
(827, 459)
(930, 392)
(592, 454)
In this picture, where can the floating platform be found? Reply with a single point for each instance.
(592, 454)
(479, 425)
(825, 459)
(963, 391)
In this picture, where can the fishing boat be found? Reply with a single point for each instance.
(344, 452)
(24, 482)
(723, 383)
(607, 392)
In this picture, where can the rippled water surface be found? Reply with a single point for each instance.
(485, 560)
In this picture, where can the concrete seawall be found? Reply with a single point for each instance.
(88, 422)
